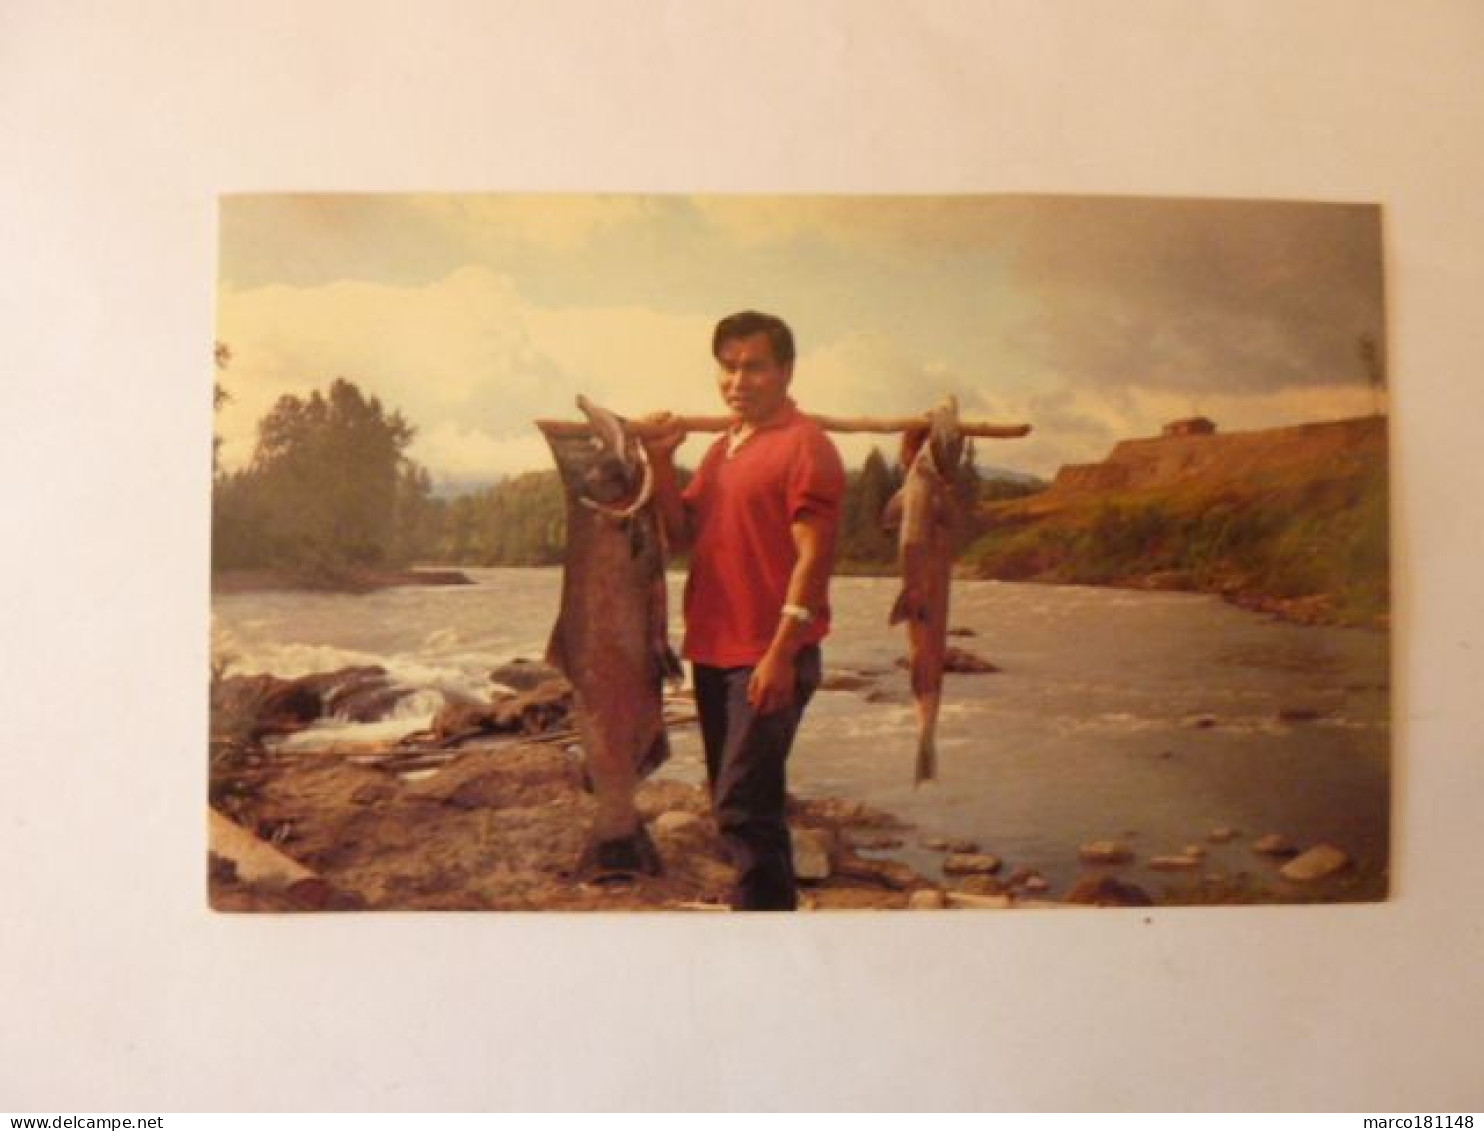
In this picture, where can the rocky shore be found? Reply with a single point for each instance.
(485, 810)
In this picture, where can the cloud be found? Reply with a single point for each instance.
(469, 360)
(1203, 296)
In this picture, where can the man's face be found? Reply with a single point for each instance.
(752, 382)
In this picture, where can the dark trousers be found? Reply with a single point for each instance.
(746, 755)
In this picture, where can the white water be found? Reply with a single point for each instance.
(1088, 733)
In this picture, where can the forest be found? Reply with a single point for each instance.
(330, 492)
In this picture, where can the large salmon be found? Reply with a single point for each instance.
(610, 636)
(927, 512)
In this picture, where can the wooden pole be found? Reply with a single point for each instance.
(645, 430)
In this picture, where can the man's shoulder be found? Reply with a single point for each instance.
(811, 433)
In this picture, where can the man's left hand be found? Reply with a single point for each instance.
(772, 685)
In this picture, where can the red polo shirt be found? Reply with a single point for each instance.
(742, 506)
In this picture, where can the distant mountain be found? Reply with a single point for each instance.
(1290, 519)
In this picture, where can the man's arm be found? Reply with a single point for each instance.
(674, 516)
(772, 686)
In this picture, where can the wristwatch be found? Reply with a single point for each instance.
(799, 613)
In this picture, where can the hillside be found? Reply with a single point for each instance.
(1289, 519)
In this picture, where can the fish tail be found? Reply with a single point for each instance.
(927, 760)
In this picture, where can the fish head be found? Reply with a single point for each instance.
(611, 469)
(944, 436)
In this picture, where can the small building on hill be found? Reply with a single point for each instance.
(1191, 426)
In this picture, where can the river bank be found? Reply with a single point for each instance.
(231, 582)
(484, 810)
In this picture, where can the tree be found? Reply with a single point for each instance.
(328, 488)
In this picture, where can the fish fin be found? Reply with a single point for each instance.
(670, 668)
(907, 607)
(657, 754)
(556, 655)
(927, 760)
(891, 514)
(900, 610)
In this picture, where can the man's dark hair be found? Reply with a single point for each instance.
(750, 322)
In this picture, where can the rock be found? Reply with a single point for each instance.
(935, 844)
(1174, 863)
(965, 846)
(962, 632)
(463, 720)
(1274, 844)
(366, 697)
(811, 855)
(1201, 722)
(966, 863)
(890, 874)
(677, 823)
(1036, 883)
(927, 899)
(844, 681)
(1105, 852)
(875, 842)
(1195, 850)
(260, 705)
(982, 885)
(959, 660)
(1316, 864)
(1105, 891)
(1222, 834)
(967, 902)
(524, 675)
(545, 707)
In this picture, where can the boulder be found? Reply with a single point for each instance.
(968, 902)
(678, 823)
(545, 707)
(457, 721)
(1274, 844)
(364, 698)
(259, 705)
(1105, 891)
(968, 864)
(811, 855)
(1319, 862)
(524, 675)
(1105, 852)
(927, 899)
(1174, 863)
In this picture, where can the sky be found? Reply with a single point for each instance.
(1094, 319)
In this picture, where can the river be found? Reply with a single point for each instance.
(1152, 718)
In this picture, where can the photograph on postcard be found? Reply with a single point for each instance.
(707, 553)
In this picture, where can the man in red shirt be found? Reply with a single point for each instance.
(761, 518)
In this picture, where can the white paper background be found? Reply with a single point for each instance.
(120, 124)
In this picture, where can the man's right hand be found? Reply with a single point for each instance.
(663, 434)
